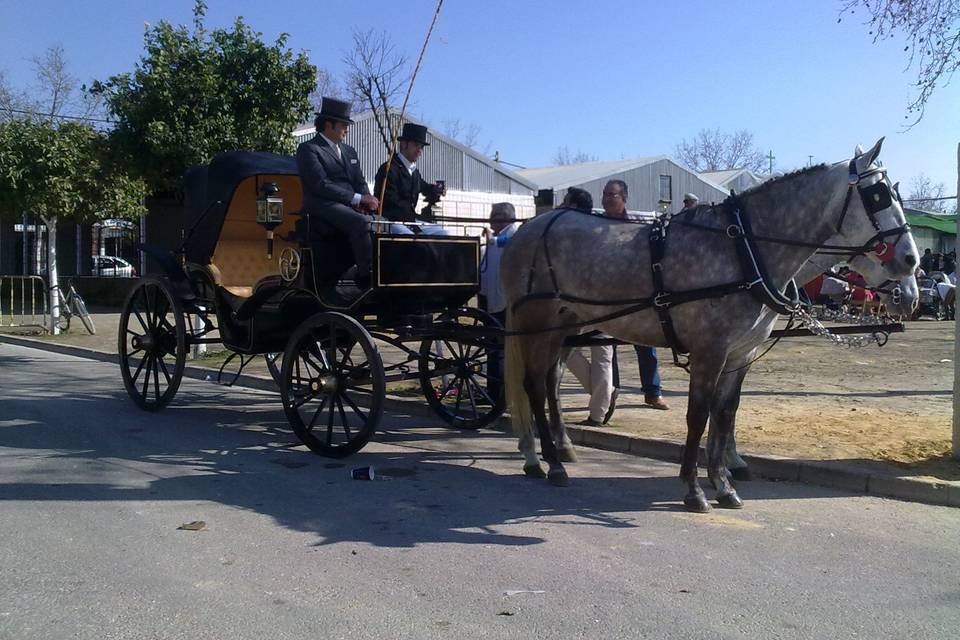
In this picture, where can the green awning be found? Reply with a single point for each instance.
(942, 223)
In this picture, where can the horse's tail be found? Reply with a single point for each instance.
(514, 372)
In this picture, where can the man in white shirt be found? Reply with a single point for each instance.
(402, 187)
(503, 224)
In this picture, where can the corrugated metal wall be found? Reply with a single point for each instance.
(440, 161)
(643, 187)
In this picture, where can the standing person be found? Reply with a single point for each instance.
(404, 184)
(334, 189)
(614, 203)
(503, 224)
(579, 199)
(690, 201)
(927, 261)
(594, 375)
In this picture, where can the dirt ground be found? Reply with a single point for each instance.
(888, 407)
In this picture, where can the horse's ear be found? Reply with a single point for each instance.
(874, 152)
(867, 158)
(858, 151)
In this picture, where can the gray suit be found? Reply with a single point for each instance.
(329, 184)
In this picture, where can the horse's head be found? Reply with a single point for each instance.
(873, 216)
(900, 296)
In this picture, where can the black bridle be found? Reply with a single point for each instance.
(875, 198)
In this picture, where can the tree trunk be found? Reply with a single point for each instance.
(51, 223)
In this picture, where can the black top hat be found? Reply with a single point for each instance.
(414, 133)
(334, 109)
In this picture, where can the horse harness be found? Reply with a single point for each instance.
(875, 198)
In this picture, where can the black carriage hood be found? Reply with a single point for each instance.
(208, 190)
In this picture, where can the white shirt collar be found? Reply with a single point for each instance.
(409, 165)
(333, 144)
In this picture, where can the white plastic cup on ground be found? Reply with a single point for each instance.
(362, 473)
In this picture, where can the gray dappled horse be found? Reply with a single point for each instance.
(563, 272)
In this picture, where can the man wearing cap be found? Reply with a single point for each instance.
(690, 201)
(615, 206)
(404, 184)
(334, 188)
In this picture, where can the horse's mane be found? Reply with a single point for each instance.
(773, 182)
(706, 213)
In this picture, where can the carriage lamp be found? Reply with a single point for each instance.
(269, 211)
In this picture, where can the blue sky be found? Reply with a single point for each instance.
(611, 78)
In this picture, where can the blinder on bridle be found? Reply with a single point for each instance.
(875, 198)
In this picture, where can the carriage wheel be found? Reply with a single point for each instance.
(456, 377)
(152, 343)
(274, 362)
(332, 384)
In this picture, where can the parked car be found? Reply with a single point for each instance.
(112, 267)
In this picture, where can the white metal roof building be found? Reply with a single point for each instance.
(737, 179)
(650, 182)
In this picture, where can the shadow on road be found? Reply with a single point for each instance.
(234, 448)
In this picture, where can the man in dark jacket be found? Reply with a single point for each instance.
(404, 184)
(334, 189)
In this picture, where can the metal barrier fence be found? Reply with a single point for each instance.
(24, 302)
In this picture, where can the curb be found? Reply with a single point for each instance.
(770, 467)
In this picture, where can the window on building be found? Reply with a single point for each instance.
(666, 188)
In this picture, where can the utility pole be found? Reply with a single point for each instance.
(771, 158)
(809, 161)
(956, 350)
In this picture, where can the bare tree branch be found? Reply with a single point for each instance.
(932, 32)
(327, 85)
(713, 150)
(466, 134)
(926, 195)
(54, 94)
(565, 156)
(376, 77)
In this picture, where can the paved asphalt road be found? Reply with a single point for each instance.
(454, 543)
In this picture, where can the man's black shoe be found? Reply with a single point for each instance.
(613, 405)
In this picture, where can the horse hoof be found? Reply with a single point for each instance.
(534, 471)
(568, 454)
(558, 477)
(741, 474)
(696, 504)
(730, 501)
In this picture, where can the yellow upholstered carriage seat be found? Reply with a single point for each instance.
(240, 255)
(241, 264)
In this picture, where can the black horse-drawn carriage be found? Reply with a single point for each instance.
(260, 279)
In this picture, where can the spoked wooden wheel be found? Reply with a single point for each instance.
(333, 385)
(274, 362)
(462, 379)
(152, 343)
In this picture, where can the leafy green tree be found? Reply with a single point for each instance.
(62, 172)
(196, 93)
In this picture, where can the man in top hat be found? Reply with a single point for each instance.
(404, 184)
(690, 201)
(334, 188)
